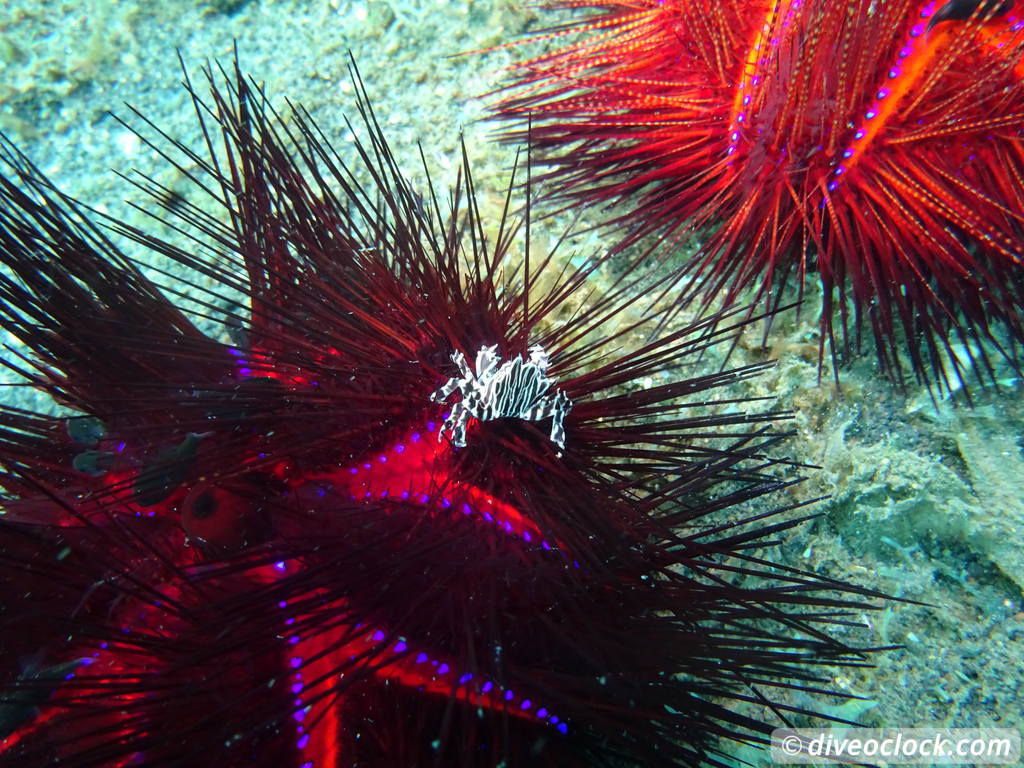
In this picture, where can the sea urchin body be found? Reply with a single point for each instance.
(877, 144)
(268, 552)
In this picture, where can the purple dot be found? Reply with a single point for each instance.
(870, 114)
(290, 621)
(509, 695)
(415, 437)
(282, 604)
(443, 669)
(367, 465)
(487, 687)
(859, 135)
(553, 719)
(848, 153)
(488, 517)
(431, 426)
(245, 371)
(295, 662)
(420, 658)
(296, 687)
(293, 640)
(542, 713)
(353, 471)
(466, 509)
(833, 186)
(562, 728)
(378, 635)
(302, 742)
(399, 448)
(545, 545)
(400, 646)
(382, 459)
(883, 93)
(465, 678)
(279, 565)
(526, 704)
(445, 503)
(299, 716)
(526, 536)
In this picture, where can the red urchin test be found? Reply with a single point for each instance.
(423, 499)
(874, 147)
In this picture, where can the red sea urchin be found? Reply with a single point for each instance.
(273, 553)
(879, 144)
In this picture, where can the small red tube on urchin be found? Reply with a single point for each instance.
(415, 513)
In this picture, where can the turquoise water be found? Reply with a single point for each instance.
(925, 503)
